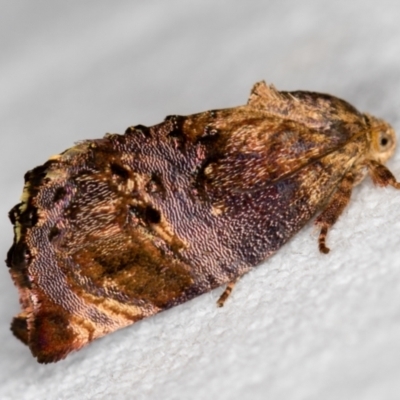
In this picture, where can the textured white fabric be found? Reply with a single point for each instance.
(301, 326)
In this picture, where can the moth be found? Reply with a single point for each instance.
(120, 228)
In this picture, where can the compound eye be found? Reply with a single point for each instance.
(385, 141)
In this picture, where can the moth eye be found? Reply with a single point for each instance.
(384, 141)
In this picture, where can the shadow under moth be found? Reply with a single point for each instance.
(117, 229)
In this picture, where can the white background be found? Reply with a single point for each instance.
(301, 326)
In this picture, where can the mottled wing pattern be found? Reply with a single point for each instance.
(117, 229)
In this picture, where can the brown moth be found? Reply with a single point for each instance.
(117, 229)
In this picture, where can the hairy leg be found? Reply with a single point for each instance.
(381, 176)
(333, 210)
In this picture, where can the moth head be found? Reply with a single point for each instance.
(382, 139)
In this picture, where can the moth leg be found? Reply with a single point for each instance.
(381, 176)
(333, 210)
(227, 292)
